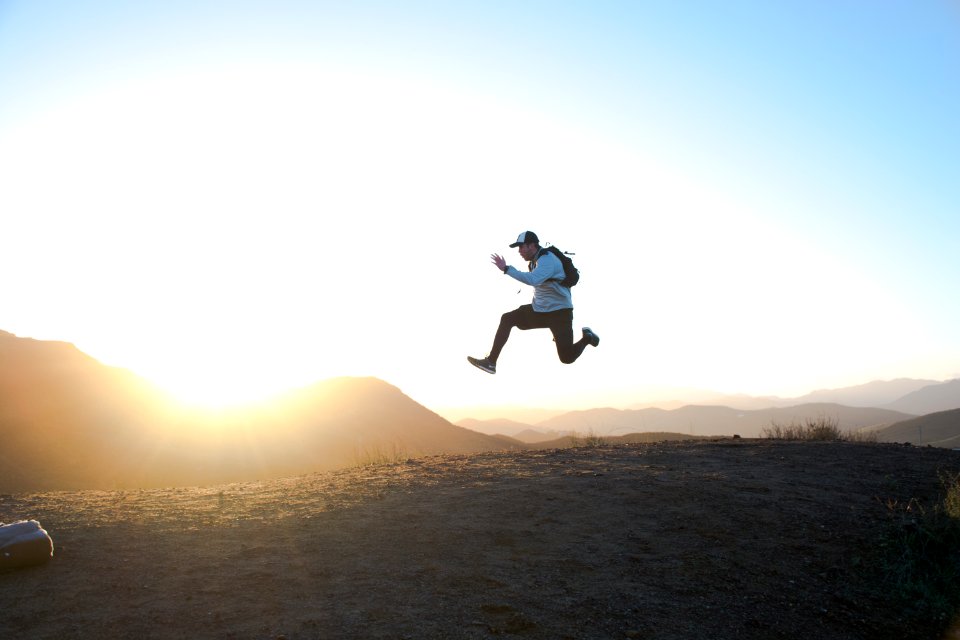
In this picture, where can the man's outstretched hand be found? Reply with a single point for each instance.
(499, 261)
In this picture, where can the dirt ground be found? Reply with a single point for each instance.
(669, 541)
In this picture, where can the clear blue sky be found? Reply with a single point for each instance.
(232, 198)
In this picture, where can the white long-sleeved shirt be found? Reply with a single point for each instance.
(548, 293)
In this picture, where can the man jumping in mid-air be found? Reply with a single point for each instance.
(552, 306)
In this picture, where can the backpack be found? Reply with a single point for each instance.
(571, 275)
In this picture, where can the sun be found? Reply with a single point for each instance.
(218, 391)
(217, 365)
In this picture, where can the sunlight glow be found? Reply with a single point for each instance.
(205, 299)
(208, 301)
(237, 219)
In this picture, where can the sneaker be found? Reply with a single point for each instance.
(483, 363)
(592, 338)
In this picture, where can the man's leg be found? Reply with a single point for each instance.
(520, 318)
(561, 325)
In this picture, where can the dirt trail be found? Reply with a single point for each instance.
(722, 539)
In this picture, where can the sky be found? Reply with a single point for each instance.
(236, 198)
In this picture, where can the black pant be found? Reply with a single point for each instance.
(559, 322)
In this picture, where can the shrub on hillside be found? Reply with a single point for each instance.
(589, 440)
(821, 428)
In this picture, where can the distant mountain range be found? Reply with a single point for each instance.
(897, 395)
(516, 430)
(933, 398)
(705, 420)
(69, 422)
(879, 393)
(906, 396)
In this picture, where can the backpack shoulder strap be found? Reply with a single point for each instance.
(533, 263)
(544, 251)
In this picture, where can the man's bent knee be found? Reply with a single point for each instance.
(567, 358)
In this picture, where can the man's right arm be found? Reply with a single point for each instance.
(548, 268)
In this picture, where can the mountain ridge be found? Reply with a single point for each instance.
(926, 396)
(934, 398)
(69, 422)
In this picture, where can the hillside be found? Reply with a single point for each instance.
(64, 415)
(69, 422)
(730, 539)
(941, 429)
